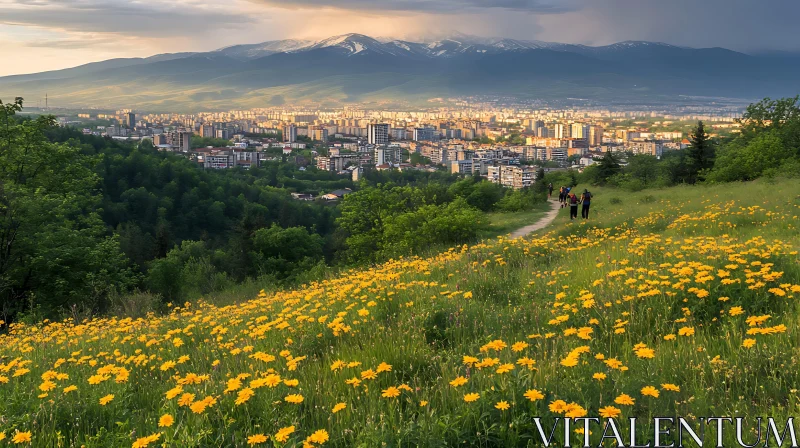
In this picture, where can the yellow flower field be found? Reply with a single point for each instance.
(679, 302)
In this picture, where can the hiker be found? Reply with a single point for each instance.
(550, 188)
(586, 200)
(561, 196)
(573, 206)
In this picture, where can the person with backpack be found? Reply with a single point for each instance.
(586, 200)
(561, 196)
(573, 206)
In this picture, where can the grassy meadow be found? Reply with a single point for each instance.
(674, 302)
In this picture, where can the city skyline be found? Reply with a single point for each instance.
(41, 35)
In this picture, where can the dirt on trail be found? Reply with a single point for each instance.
(540, 224)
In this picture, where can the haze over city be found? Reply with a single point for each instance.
(39, 35)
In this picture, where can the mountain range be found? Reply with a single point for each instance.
(358, 68)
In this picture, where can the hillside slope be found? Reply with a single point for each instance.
(667, 302)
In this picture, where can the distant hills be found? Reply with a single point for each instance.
(358, 68)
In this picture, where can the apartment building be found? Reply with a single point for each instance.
(378, 134)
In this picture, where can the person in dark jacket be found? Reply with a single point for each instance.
(550, 188)
(586, 200)
(572, 199)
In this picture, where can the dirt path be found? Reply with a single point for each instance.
(540, 224)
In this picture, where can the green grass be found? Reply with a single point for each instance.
(503, 223)
(686, 272)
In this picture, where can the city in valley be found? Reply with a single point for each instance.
(505, 145)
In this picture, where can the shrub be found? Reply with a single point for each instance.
(136, 304)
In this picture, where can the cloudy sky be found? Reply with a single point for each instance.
(37, 35)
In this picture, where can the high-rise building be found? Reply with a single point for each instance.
(424, 134)
(596, 135)
(384, 155)
(579, 130)
(206, 130)
(561, 131)
(223, 133)
(542, 132)
(290, 133)
(318, 133)
(180, 140)
(130, 119)
(378, 134)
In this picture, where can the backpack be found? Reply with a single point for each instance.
(573, 199)
(587, 196)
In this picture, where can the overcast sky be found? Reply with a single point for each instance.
(38, 35)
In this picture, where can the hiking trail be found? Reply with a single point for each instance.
(541, 223)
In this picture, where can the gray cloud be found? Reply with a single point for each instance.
(73, 43)
(744, 25)
(117, 16)
(432, 6)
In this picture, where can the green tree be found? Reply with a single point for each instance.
(418, 159)
(519, 200)
(202, 142)
(364, 214)
(430, 226)
(700, 154)
(764, 154)
(188, 270)
(769, 113)
(644, 168)
(283, 253)
(607, 167)
(146, 144)
(56, 251)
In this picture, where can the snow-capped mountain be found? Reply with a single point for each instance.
(353, 67)
(254, 51)
(456, 44)
(357, 44)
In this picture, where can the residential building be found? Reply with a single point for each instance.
(557, 154)
(378, 134)
(516, 177)
(561, 131)
(224, 133)
(180, 140)
(318, 133)
(336, 194)
(399, 134)
(464, 166)
(596, 135)
(530, 153)
(218, 161)
(206, 130)
(579, 131)
(336, 163)
(650, 148)
(424, 134)
(387, 154)
(290, 133)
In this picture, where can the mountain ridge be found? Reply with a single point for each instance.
(355, 67)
